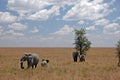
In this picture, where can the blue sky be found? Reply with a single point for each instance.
(51, 23)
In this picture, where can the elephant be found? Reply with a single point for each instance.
(75, 56)
(82, 58)
(44, 62)
(32, 60)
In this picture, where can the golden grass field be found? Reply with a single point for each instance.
(101, 64)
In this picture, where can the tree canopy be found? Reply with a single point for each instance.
(82, 44)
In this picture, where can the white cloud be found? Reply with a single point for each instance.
(90, 28)
(1, 30)
(35, 30)
(5, 34)
(26, 6)
(112, 2)
(46, 38)
(113, 28)
(64, 30)
(6, 17)
(38, 9)
(44, 14)
(90, 10)
(18, 34)
(33, 9)
(81, 22)
(118, 18)
(17, 26)
(102, 22)
(13, 33)
(103, 40)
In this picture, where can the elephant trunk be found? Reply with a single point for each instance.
(22, 65)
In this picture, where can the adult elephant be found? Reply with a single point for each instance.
(75, 56)
(32, 60)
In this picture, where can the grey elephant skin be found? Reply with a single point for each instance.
(75, 56)
(32, 60)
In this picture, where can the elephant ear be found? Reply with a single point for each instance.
(47, 61)
(26, 55)
(23, 58)
(29, 54)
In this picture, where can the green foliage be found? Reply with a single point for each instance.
(82, 44)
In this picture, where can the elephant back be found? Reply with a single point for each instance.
(35, 58)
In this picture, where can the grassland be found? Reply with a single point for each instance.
(101, 64)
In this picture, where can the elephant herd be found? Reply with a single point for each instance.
(76, 55)
(32, 60)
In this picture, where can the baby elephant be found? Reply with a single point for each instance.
(44, 62)
(32, 60)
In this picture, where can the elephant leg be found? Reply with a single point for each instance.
(35, 65)
(32, 66)
(29, 63)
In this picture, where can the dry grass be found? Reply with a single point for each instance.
(101, 64)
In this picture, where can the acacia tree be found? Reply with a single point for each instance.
(82, 44)
(118, 52)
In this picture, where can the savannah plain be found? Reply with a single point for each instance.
(101, 64)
